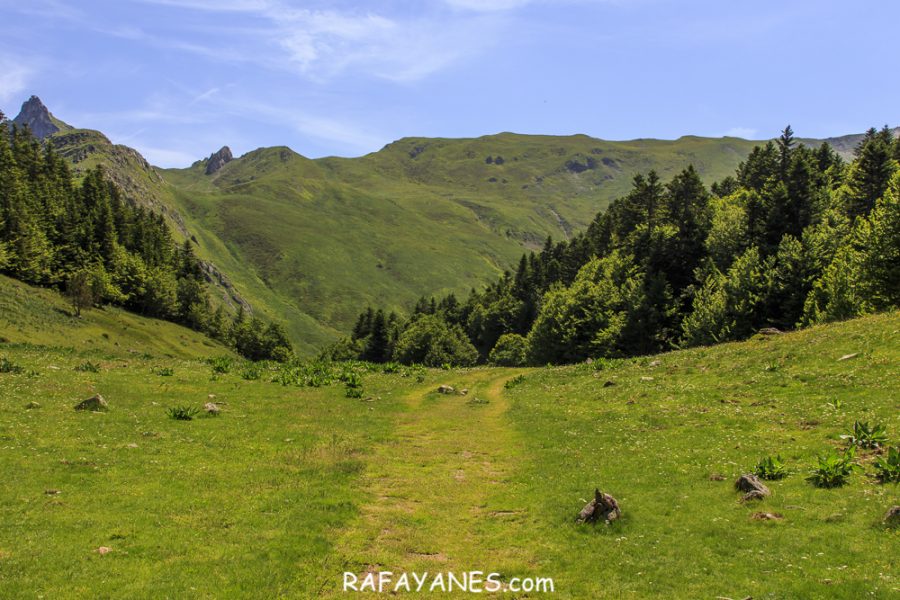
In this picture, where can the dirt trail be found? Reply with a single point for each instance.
(442, 493)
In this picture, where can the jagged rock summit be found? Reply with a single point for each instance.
(219, 159)
(38, 119)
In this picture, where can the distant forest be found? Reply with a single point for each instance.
(796, 236)
(87, 241)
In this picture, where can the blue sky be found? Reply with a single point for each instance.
(177, 79)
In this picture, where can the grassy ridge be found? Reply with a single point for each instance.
(31, 315)
(290, 487)
(313, 241)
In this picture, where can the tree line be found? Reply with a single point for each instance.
(796, 236)
(84, 239)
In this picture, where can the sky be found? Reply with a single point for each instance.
(178, 79)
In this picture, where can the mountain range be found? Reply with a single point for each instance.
(311, 242)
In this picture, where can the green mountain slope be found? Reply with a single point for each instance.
(312, 241)
(41, 316)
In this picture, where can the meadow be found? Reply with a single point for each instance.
(295, 483)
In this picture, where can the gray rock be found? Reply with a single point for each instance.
(892, 517)
(95, 403)
(31, 405)
(753, 488)
(219, 159)
(445, 389)
(38, 119)
(602, 508)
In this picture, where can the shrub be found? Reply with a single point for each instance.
(182, 413)
(433, 342)
(354, 385)
(887, 468)
(7, 366)
(833, 469)
(864, 436)
(88, 367)
(511, 350)
(771, 468)
(252, 372)
(220, 364)
(514, 382)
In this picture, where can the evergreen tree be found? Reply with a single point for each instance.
(870, 174)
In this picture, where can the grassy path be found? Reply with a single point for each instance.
(441, 492)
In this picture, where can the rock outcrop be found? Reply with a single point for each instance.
(38, 119)
(219, 159)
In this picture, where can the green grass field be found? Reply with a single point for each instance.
(290, 486)
(32, 315)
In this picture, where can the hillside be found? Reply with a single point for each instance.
(290, 487)
(37, 316)
(311, 242)
(326, 237)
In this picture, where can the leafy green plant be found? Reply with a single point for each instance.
(864, 436)
(771, 468)
(518, 379)
(836, 404)
(88, 367)
(354, 386)
(164, 371)
(220, 364)
(833, 469)
(252, 372)
(7, 366)
(182, 413)
(887, 468)
(389, 368)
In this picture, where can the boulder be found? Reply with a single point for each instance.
(769, 331)
(602, 508)
(95, 403)
(212, 409)
(445, 389)
(31, 405)
(463, 391)
(892, 517)
(753, 488)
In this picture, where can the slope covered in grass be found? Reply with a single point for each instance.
(290, 487)
(314, 241)
(31, 315)
(659, 436)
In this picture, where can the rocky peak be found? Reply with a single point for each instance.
(219, 159)
(38, 119)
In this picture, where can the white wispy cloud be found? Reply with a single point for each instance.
(487, 5)
(15, 76)
(320, 44)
